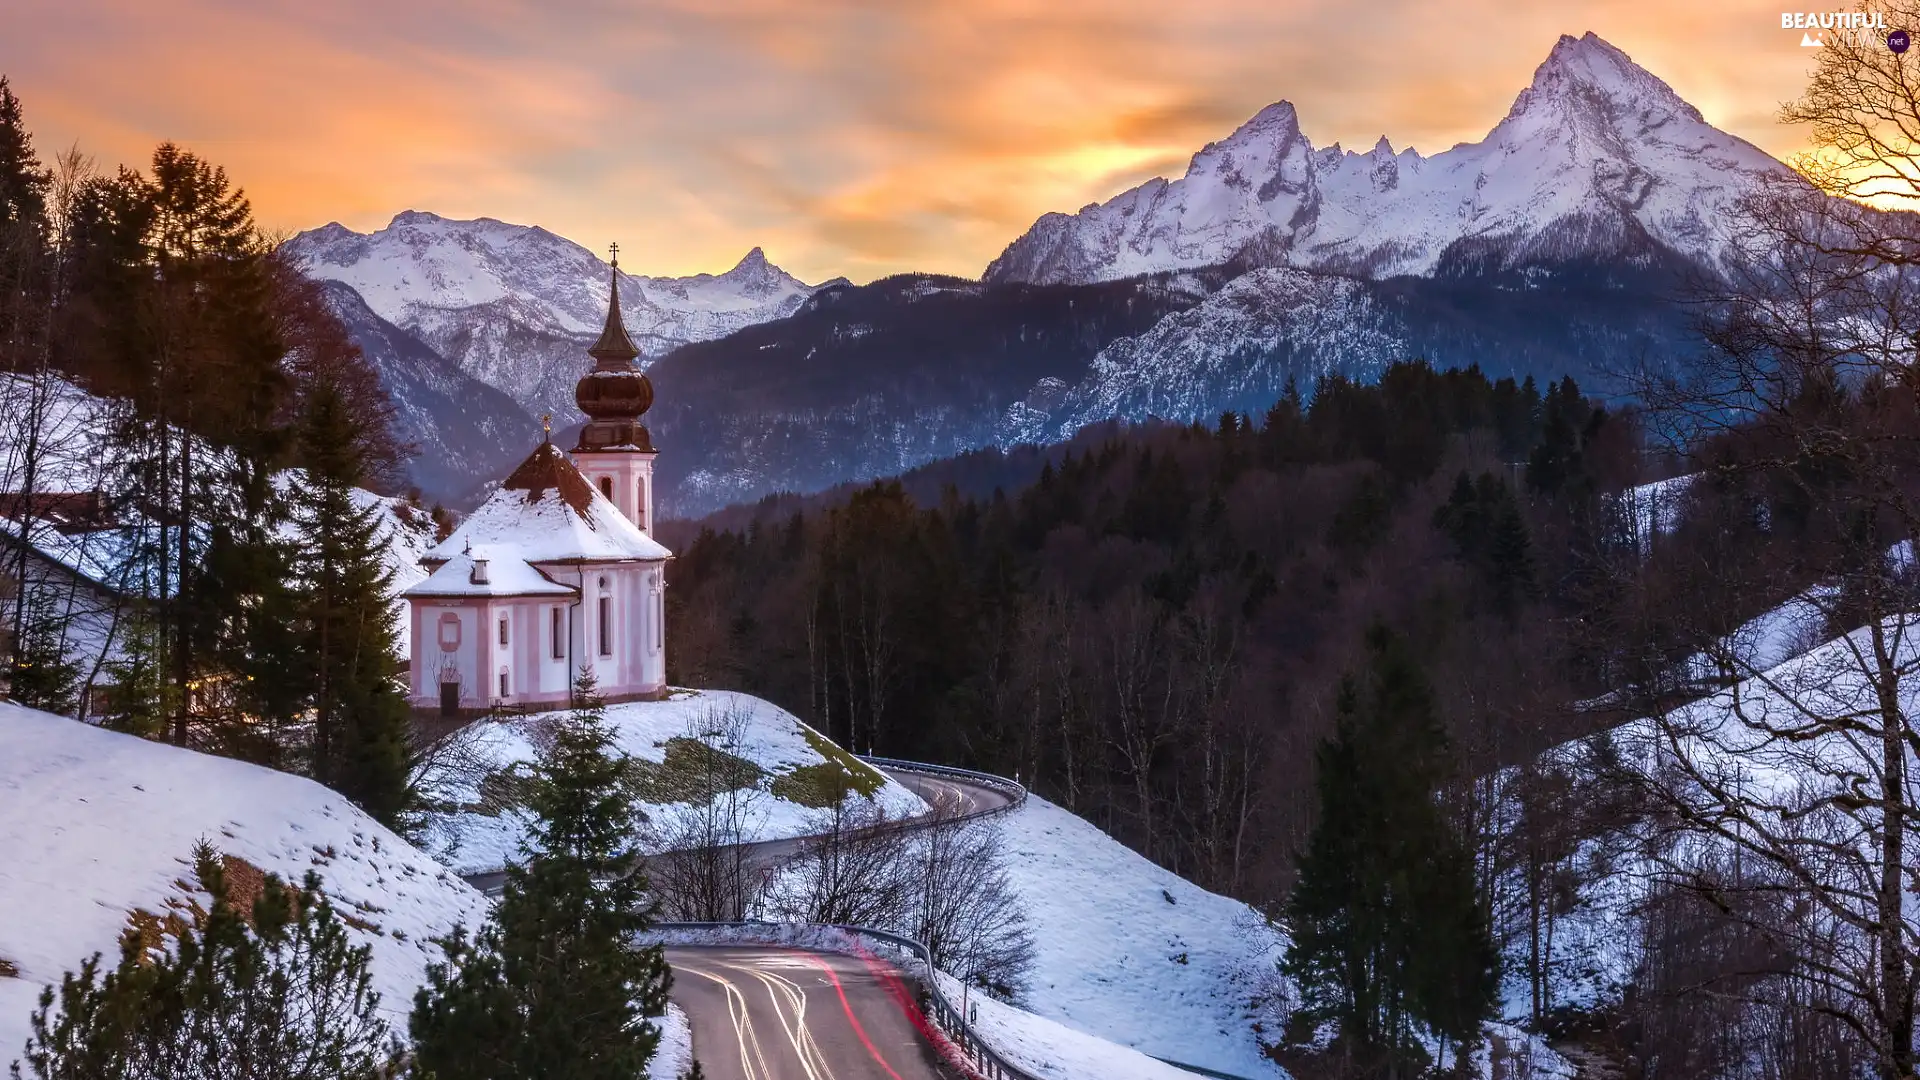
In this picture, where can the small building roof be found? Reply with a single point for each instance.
(507, 574)
(546, 512)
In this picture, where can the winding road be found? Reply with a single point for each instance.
(762, 1013)
(968, 798)
(770, 1013)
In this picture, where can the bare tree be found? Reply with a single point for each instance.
(967, 911)
(854, 870)
(703, 868)
(1801, 414)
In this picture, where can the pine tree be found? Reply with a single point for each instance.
(1388, 938)
(23, 183)
(360, 716)
(275, 992)
(554, 987)
(43, 677)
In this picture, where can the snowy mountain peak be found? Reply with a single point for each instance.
(1590, 69)
(514, 306)
(1597, 159)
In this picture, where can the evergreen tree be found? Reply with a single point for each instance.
(23, 183)
(136, 703)
(554, 987)
(1389, 940)
(277, 992)
(360, 717)
(43, 677)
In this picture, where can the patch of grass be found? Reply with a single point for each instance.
(826, 785)
(502, 790)
(8, 969)
(693, 772)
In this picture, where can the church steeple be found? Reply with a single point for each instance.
(616, 393)
(614, 350)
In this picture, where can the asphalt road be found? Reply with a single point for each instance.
(764, 1013)
(966, 796)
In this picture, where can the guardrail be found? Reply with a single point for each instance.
(1016, 793)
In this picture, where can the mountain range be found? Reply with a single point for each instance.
(1553, 246)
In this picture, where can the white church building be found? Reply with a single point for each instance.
(558, 570)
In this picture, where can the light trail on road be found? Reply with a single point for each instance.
(737, 997)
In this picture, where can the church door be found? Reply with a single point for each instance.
(449, 699)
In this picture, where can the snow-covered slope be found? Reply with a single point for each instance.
(515, 306)
(94, 825)
(476, 835)
(1135, 954)
(1597, 158)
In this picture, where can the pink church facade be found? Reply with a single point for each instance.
(557, 571)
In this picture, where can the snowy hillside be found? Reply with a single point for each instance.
(478, 830)
(95, 825)
(515, 306)
(1595, 159)
(1135, 954)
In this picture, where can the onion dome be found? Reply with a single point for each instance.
(616, 393)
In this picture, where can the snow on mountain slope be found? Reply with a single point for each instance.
(475, 835)
(1235, 350)
(463, 431)
(1135, 954)
(94, 825)
(1597, 157)
(515, 306)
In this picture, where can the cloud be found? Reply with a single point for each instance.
(846, 136)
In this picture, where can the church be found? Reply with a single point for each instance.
(558, 570)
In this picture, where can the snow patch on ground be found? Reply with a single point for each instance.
(94, 824)
(475, 842)
(1053, 1050)
(674, 1058)
(1132, 953)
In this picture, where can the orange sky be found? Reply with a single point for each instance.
(855, 137)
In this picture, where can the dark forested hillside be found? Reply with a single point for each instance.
(1150, 632)
(869, 380)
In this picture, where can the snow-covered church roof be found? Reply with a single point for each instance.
(487, 571)
(546, 512)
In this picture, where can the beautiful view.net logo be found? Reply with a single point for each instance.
(1820, 28)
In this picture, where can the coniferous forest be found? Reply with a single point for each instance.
(245, 588)
(1153, 630)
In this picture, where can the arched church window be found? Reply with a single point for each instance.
(503, 684)
(503, 629)
(558, 630)
(606, 626)
(606, 487)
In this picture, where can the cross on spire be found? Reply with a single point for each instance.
(614, 350)
(546, 425)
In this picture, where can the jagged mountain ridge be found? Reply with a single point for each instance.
(1597, 159)
(1590, 200)
(514, 306)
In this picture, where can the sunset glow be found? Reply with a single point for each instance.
(844, 137)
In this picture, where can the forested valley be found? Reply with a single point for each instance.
(1166, 628)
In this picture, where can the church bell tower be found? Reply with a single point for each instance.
(615, 453)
